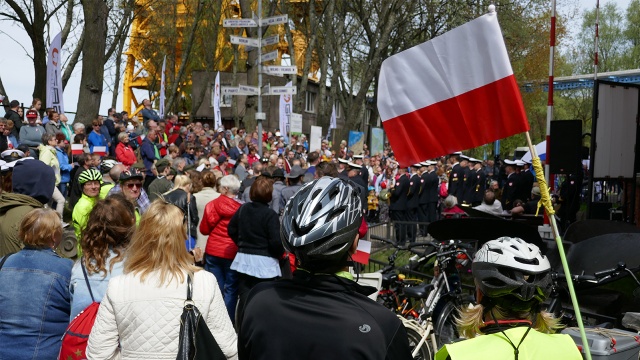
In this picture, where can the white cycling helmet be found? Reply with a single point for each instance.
(512, 272)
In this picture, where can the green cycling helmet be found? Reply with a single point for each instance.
(89, 175)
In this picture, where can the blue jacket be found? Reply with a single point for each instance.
(80, 297)
(65, 166)
(34, 304)
(148, 153)
(96, 140)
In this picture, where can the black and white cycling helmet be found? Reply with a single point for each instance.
(321, 220)
(512, 272)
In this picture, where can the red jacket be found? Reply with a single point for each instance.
(125, 155)
(215, 221)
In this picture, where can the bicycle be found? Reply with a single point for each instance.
(390, 294)
(440, 299)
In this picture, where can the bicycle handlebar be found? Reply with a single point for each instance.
(599, 276)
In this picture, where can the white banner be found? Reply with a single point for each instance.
(161, 108)
(296, 123)
(54, 76)
(332, 124)
(216, 103)
(286, 108)
(315, 138)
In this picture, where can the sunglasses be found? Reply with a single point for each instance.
(132, 185)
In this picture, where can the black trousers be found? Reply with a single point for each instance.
(400, 228)
(432, 212)
(412, 229)
(423, 217)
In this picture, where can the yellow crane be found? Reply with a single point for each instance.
(141, 72)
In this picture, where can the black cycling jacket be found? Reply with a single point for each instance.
(319, 317)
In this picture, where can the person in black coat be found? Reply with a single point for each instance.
(413, 201)
(431, 187)
(398, 207)
(255, 228)
(181, 197)
(456, 177)
(511, 186)
(527, 180)
(423, 200)
(479, 177)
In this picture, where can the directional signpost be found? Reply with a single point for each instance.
(258, 43)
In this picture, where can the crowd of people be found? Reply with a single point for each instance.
(159, 206)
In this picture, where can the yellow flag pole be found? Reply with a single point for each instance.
(546, 202)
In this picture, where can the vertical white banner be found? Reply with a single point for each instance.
(216, 103)
(286, 103)
(54, 75)
(315, 138)
(332, 124)
(164, 64)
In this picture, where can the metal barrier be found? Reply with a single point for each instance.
(388, 231)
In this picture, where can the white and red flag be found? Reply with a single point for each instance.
(77, 149)
(100, 150)
(362, 252)
(456, 91)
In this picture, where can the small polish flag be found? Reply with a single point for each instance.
(362, 252)
(232, 162)
(77, 149)
(100, 150)
(456, 91)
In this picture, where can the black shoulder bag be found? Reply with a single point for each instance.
(196, 341)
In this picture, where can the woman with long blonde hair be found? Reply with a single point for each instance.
(140, 315)
(512, 281)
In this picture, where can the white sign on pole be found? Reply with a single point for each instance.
(274, 20)
(233, 90)
(249, 90)
(54, 76)
(216, 103)
(315, 138)
(271, 40)
(296, 123)
(266, 89)
(238, 23)
(241, 40)
(280, 70)
(286, 107)
(282, 90)
(161, 108)
(270, 56)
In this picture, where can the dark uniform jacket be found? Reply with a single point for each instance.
(510, 191)
(480, 186)
(469, 186)
(413, 196)
(399, 194)
(424, 193)
(456, 181)
(431, 186)
(526, 180)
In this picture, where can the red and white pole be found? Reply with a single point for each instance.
(552, 47)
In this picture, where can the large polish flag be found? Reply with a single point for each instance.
(454, 92)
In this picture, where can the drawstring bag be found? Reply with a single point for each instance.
(76, 338)
(196, 341)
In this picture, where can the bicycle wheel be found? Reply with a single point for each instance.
(446, 328)
(425, 352)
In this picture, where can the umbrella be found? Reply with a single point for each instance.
(541, 149)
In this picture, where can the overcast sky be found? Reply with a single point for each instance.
(16, 67)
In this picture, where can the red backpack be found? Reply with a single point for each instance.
(76, 337)
(443, 192)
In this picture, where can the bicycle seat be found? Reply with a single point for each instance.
(421, 291)
(388, 278)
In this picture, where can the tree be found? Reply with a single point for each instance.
(96, 13)
(612, 45)
(34, 17)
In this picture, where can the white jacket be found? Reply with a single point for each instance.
(142, 321)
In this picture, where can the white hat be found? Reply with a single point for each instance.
(519, 162)
(341, 160)
(130, 127)
(358, 156)
(509, 162)
(356, 166)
